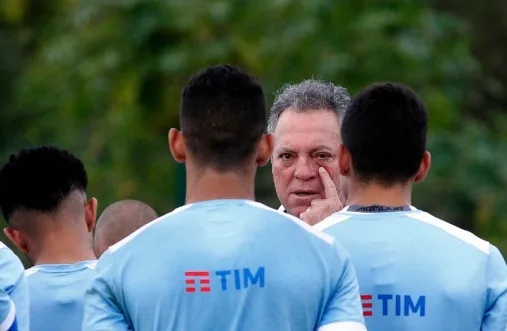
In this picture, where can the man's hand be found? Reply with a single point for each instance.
(322, 208)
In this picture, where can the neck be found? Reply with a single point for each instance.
(212, 185)
(374, 194)
(63, 247)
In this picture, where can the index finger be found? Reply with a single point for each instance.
(330, 189)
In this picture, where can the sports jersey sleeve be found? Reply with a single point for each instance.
(344, 311)
(7, 313)
(102, 308)
(495, 317)
(13, 283)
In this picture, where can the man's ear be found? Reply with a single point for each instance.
(17, 238)
(424, 168)
(91, 213)
(265, 149)
(177, 145)
(344, 160)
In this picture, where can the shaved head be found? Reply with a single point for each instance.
(118, 221)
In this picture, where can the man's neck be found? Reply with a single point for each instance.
(212, 185)
(63, 249)
(373, 194)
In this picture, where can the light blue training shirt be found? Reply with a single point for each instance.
(225, 265)
(14, 297)
(419, 273)
(57, 293)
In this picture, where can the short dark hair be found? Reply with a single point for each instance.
(223, 116)
(385, 129)
(39, 179)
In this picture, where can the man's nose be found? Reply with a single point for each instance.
(305, 169)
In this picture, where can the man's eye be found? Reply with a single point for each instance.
(323, 156)
(285, 156)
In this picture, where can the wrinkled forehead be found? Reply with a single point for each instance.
(304, 131)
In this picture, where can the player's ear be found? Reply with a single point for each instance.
(265, 149)
(344, 160)
(177, 145)
(17, 238)
(272, 156)
(91, 213)
(424, 168)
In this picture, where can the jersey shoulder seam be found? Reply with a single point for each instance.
(134, 234)
(331, 220)
(314, 231)
(31, 271)
(458, 233)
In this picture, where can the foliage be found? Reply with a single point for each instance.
(103, 78)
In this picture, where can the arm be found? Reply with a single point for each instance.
(495, 316)
(20, 298)
(344, 311)
(13, 283)
(102, 309)
(7, 313)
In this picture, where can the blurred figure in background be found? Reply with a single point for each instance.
(43, 198)
(119, 220)
(14, 296)
(305, 120)
(224, 261)
(416, 272)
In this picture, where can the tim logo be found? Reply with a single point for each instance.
(394, 305)
(236, 279)
(194, 277)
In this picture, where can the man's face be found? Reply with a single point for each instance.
(303, 143)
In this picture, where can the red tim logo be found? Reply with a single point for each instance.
(191, 277)
(366, 300)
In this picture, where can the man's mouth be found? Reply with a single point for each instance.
(305, 193)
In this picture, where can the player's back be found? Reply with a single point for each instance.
(57, 294)
(227, 265)
(14, 290)
(419, 273)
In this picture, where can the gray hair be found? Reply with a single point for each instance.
(309, 95)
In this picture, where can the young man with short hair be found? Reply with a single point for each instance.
(416, 272)
(224, 261)
(43, 198)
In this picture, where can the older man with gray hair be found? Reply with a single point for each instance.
(305, 120)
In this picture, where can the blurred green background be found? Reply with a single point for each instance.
(102, 78)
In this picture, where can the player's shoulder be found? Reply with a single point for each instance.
(460, 236)
(456, 233)
(31, 271)
(332, 220)
(5, 251)
(342, 217)
(11, 268)
(300, 225)
(8, 258)
(250, 207)
(127, 240)
(90, 265)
